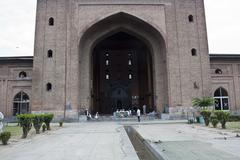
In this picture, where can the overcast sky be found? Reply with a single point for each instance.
(17, 25)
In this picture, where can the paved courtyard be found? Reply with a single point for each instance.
(191, 142)
(85, 141)
(109, 141)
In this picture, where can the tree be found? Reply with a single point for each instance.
(223, 117)
(204, 102)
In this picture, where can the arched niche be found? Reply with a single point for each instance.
(134, 26)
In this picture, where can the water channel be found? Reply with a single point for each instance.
(139, 144)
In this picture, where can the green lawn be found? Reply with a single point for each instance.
(233, 126)
(14, 129)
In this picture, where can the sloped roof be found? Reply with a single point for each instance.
(224, 56)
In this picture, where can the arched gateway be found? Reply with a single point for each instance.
(124, 58)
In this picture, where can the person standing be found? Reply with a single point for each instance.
(138, 114)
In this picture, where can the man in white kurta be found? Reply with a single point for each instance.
(138, 114)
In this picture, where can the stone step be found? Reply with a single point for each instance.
(132, 118)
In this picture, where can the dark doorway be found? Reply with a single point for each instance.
(122, 74)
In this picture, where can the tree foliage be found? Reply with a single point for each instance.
(203, 102)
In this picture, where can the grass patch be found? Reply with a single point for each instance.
(14, 129)
(233, 126)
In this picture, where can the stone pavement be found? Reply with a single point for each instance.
(188, 142)
(83, 141)
(174, 140)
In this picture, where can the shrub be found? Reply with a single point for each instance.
(47, 118)
(25, 121)
(190, 121)
(37, 122)
(234, 118)
(198, 119)
(44, 127)
(223, 117)
(214, 120)
(206, 116)
(60, 123)
(5, 136)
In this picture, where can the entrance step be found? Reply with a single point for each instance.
(132, 118)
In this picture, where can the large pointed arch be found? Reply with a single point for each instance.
(134, 26)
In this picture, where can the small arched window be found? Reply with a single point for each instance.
(20, 103)
(190, 18)
(51, 21)
(50, 53)
(218, 71)
(221, 99)
(107, 77)
(22, 74)
(49, 87)
(107, 62)
(129, 62)
(130, 76)
(194, 52)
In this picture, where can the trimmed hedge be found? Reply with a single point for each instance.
(47, 118)
(44, 127)
(25, 121)
(37, 122)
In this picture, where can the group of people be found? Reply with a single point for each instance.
(90, 117)
(128, 113)
(122, 113)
